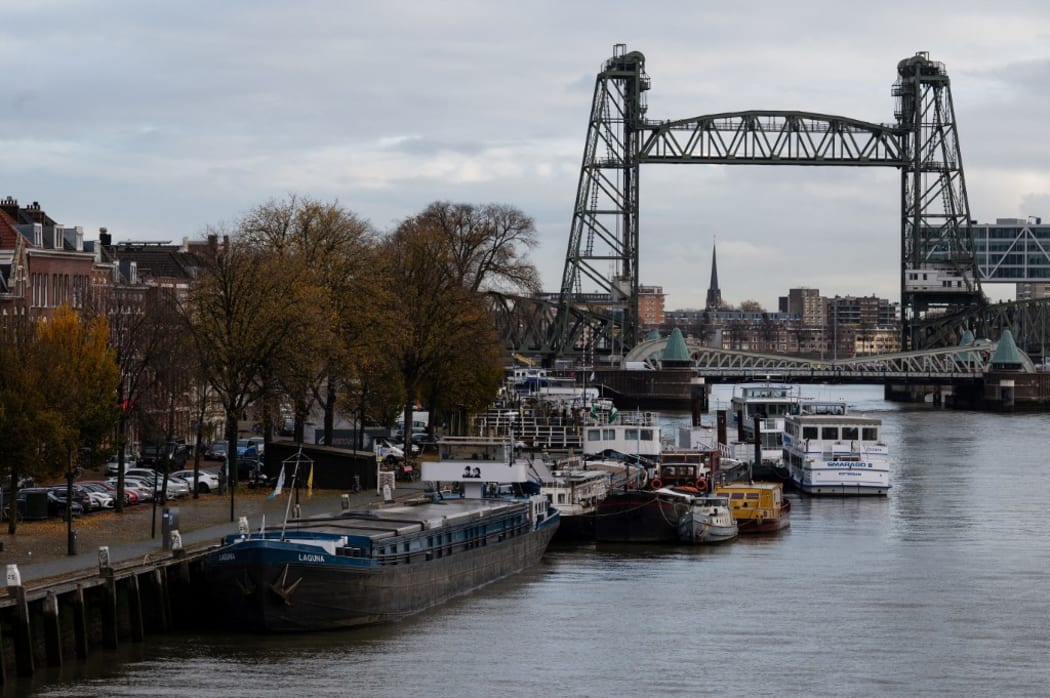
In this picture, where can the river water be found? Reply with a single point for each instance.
(940, 588)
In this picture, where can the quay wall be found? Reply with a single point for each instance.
(50, 622)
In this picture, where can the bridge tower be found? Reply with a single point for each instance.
(603, 241)
(939, 274)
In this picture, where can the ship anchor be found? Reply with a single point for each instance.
(247, 587)
(282, 589)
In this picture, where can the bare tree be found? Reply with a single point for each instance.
(487, 245)
(248, 312)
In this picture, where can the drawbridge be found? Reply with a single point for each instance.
(939, 276)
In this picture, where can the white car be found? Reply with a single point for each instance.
(142, 489)
(385, 449)
(176, 488)
(113, 464)
(99, 500)
(207, 481)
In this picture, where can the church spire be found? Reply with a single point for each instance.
(714, 295)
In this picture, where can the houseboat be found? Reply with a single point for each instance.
(632, 433)
(575, 491)
(708, 520)
(664, 515)
(382, 564)
(836, 454)
(758, 507)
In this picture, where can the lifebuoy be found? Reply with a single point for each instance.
(656, 484)
(701, 484)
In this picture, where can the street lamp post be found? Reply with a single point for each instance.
(71, 545)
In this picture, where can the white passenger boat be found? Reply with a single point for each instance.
(770, 403)
(836, 454)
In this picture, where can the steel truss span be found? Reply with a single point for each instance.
(773, 138)
(947, 363)
(938, 270)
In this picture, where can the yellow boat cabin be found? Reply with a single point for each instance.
(758, 506)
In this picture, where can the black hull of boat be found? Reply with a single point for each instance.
(291, 597)
(575, 529)
(636, 516)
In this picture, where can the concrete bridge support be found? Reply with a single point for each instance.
(913, 392)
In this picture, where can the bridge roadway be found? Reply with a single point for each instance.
(952, 365)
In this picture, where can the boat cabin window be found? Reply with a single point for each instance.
(870, 433)
(594, 434)
(809, 432)
(850, 433)
(829, 433)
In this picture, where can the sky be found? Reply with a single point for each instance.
(161, 121)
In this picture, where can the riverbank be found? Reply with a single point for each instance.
(40, 549)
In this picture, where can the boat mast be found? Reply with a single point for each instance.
(291, 490)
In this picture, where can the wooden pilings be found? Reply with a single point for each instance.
(49, 624)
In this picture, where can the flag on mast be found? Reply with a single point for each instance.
(310, 481)
(280, 484)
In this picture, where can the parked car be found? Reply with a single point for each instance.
(55, 505)
(176, 486)
(207, 481)
(217, 451)
(100, 497)
(145, 490)
(247, 450)
(113, 464)
(130, 497)
(80, 496)
(388, 450)
(260, 445)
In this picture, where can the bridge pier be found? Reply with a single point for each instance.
(915, 392)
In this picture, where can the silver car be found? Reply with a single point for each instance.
(207, 481)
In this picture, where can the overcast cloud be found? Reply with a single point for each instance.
(158, 120)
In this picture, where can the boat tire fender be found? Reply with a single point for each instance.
(656, 484)
(701, 484)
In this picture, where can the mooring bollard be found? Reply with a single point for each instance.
(14, 577)
(103, 559)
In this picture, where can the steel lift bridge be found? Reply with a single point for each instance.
(939, 275)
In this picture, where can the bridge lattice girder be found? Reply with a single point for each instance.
(773, 138)
(530, 325)
(948, 361)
